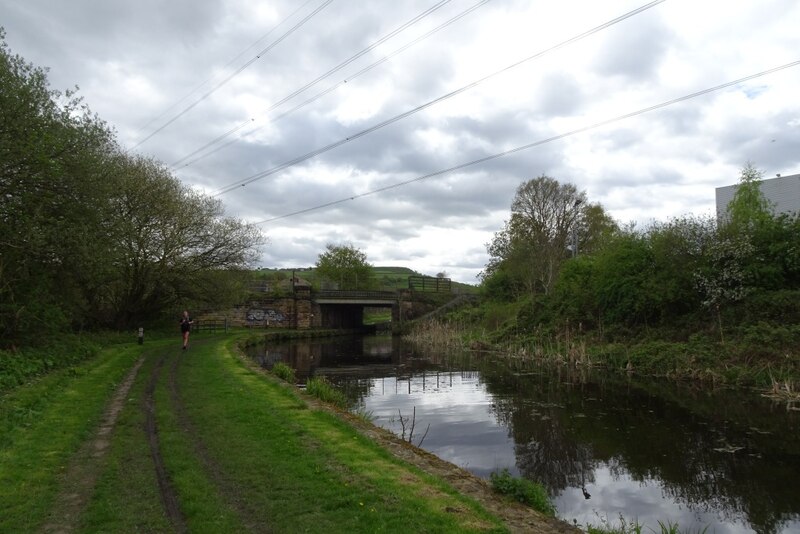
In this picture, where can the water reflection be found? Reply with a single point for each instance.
(603, 445)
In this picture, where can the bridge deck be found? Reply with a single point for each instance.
(368, 298)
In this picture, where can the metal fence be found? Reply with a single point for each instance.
(210, 325)
(430, 284)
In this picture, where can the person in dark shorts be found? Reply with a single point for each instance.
(186, 326)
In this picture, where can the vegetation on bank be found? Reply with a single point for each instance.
(523, 490)
(693, 297)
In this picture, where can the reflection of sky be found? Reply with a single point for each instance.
(612, 495)
(464, 430)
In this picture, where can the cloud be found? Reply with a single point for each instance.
(138, 62)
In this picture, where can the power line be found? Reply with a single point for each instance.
(321, 77)
(536, 143)
(417, 109)
(235, 73)
(319, 95)
(229, 63)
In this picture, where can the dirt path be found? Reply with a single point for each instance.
(85, 467)
(169, 498)
(252, 518)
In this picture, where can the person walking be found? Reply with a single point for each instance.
(186, 326)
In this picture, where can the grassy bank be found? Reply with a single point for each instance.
(238, 451)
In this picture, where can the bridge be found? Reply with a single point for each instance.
(345, 309)
(303, 308)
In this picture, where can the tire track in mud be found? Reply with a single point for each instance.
(169, 498)
(85, 467)
(251, 517)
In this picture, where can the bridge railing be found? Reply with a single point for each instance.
(355, 295)
(429, 283)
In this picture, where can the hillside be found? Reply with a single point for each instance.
(389, 277)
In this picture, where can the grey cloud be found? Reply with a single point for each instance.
(559, 95)
(634, 49)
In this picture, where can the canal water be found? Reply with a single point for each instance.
(605, 446)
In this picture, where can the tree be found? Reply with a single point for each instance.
(52, 151)
(725, 279)
(91, 236)
(749, 208)
(345, 266)
(166, 239)
(545, 218)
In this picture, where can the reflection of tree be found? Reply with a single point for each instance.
(565, 422)
(545, 449)
(707, 451)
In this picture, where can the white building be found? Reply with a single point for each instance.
(783, 194)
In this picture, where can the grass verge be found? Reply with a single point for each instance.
(305, 469)
(43, 425)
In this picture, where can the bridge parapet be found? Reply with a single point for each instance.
(355, 295)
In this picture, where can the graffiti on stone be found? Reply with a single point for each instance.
(261, 315)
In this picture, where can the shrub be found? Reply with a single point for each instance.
(18, 367)
(284, 372)
(523, 490)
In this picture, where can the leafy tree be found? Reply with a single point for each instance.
(594, 229)
(621, 278)
(345, 266)
(679, 248)
(51, 181)
(575, 295)
(547, 220)
(167, 237)
(749, 208)
(90, 236)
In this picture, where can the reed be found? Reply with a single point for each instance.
(438, 335)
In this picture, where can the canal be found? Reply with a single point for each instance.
(605, 446)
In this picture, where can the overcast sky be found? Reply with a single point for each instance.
(191, 72)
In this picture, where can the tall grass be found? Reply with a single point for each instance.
(284, 372)
(438, 335)
(634, 527)
(18, 367)
(322, 389)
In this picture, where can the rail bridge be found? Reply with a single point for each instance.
(345, 309)
(303, 308)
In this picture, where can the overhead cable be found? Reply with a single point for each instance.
(316, 152)
(319, 95)
(235, 73)
(321, 77)
(229, 63)
(535, 143)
